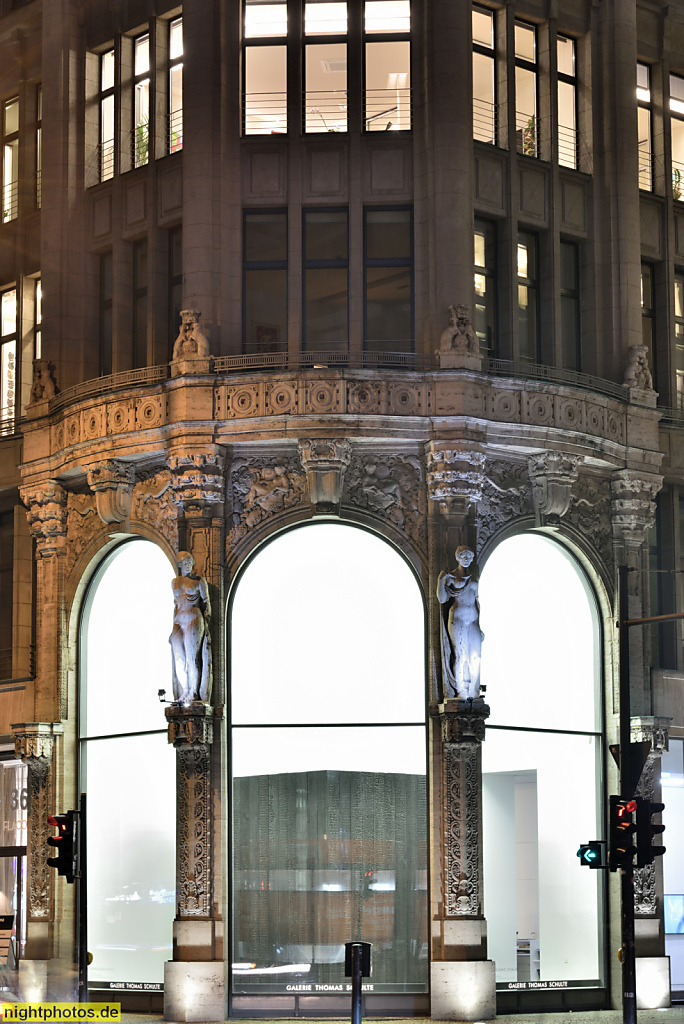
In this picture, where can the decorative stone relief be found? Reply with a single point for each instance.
(333, 395)
(390, 486)
(455, 475)
(34, 744)
(552, 474)
(463, 729)
(506, 495)
(191, 342)
(460, 633)
(589, 514)
(261, 487)
(459, 347)
(44, 386)
(153, 505)
(197, 480)
(191, 733)
(655, 730)
(83, 525)
(47, 512)
(633, 505)
(325, 463)
(190, 638)
(112, 481)
(637, 373)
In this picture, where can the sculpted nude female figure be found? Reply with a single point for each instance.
(460, 631)
(190, 640)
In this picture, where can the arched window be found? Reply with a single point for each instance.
(328, 760)
(541, 764)
(128, 768)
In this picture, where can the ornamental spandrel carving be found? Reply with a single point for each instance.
(455, 475)
(46, 505)
(83, 525)
(262, 487)
(153, 505)
(552, 475)
(634, 507)
(197, 482)
(654, 730)
(506, 495)
(325, 462)
(34, 745)
(112, 483)
(590, 514)
(390, 486)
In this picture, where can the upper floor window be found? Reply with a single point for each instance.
(38, 320)
(175, 283)
(265, 68)
(528, 297)
(526, 119)
(39, 148)
(10, 165)
(106, 306)
(679, 337)
(643, 93)
(141, 100)
(140, 303)
(570, 305)
(647, 314)
(8, 357)
(388, 236)
(567, 102)
(485, 285)
(325, 67)
(106, 140)
(175, 86)
(265, 281)
(326, 280)
(388, 65)
(677, 134)
(484, 77)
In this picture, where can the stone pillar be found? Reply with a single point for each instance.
(34, 745)
(463, 982)
(194, 981)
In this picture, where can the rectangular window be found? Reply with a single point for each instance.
(643, 93)
(106, 296)
(325, 67)
(677, 132)
(567, 102)
(647, 314)
(141, 100)
(140, 304)
(265, 282)
(526, 120)
(388, 239)
(10, 165)
(6, 594)
(528, 300)
(484, 77)
(175, 290)
(679, 339)
(175, 136)
(107, 69)
(388, 65)
(39, 148)
(326, 280)
(570, 313)
(8, 359)
(265, 68)
(38, 320)
(485, 286)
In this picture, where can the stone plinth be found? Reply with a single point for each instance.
(194, 991)
(463, 990)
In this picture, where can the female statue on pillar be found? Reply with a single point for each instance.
(190, 640)
(460, 631)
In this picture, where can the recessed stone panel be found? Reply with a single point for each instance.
(679, 235)
(533, 193)
(102, 216)
(136, 206)
(326, 171)
(649, 216)
(573, 205)
(264, 173)
(170, 192)
(489, 181)
(388, 170)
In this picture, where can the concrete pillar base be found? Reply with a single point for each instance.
(653, 982)
(33, 981)
(462, 990)
(194, 991)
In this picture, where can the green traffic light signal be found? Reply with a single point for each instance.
(591, 854)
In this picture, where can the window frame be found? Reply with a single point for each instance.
(401, 36)
(570, 80)
(39, 147)
(388, 262)
(105, 170)
(679, 347)
(140, 140)
(483, 226)
(264, 265)
(531, 282)
(283, 41)
(10, 189)
(491, 54)
(8, 390)
(648, 314)
(574, 294)
(312, 263)
(645, 103)
(526, 145)
(174, 121)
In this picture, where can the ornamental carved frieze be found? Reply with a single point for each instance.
(112, 483)
(261, 487)
(46, 505)
(34, 745)
(153, 506)
(83, 525)
(654, 730)
(634, 506)
(191, 732)
(506, 496)
(552, 475)
(392, 487)
(455, 475)
(197, 481)
(589, 514)
(325, 462)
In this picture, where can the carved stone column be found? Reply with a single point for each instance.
(198, 490)
(34, 745)
(194, 988)
(463, 983)
(112, 481)
(325, 462)
(552, 475)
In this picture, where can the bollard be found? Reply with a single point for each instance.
(357, 964)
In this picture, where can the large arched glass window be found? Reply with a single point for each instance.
(128, 768)
(541, 764)
(328, 760)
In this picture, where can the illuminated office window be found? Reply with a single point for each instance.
(10, 159)
(106, 105)
(484, 77)
(485, 285)
(679, 336)
(141, 100)
(677, 134)
(265, 68)
(528, 297)
(567, 102)
(39, 148)
(175, 137)
(387, 26)
(526, 102)
(8, 358)
(325, 67)
(643, 93)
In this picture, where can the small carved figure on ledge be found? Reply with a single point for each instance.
(191, 342)
(43, 386)
(459, 336)
(637, 373)
(460, 631)
(190, 640)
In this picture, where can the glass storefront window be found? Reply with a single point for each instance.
(672, 779)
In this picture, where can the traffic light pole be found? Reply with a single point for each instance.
(629, 1010)
(82, 905)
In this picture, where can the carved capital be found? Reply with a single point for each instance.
(552, 475)
(112, 481)
(455, 475)
(190, 725)
(197, 483)
(653, 729)
(46, 505)
(325, 462)
(633, 505)
(463, 721)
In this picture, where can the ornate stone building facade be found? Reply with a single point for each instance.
(321, 380)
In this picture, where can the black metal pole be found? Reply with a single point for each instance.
(82, 905)
(357, 982)
(629, 1010)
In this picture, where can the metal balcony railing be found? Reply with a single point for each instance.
(140, 144)
(645, 167)
(10, 196)
(265, 113)
(105, 159)
(175, 131)
(485, 121)
(388, 110)
(527, 133)
(39, 189)
(325, 111)
(567, 146)
(678, 181)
